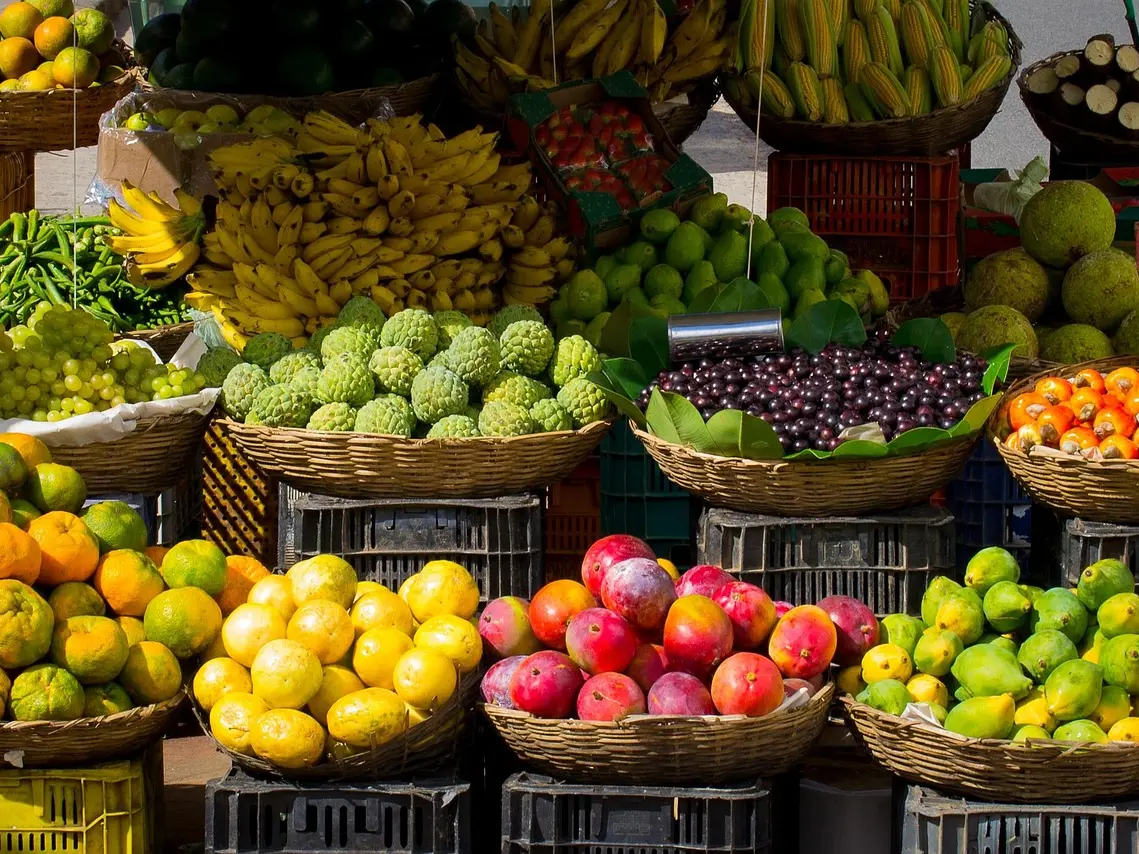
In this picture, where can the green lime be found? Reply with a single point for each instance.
(663, 280)
(586, 296)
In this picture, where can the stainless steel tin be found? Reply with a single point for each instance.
(725, 335)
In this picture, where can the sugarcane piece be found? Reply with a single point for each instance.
(1128, 117)
(1043, 81)
(1067, 66)
(1113, 84)
(1072, 95)
(1100, 51)
(1101, 100)
(1127, 59)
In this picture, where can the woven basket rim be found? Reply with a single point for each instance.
(587, 430)
(157, 331)
(142, 425)
(118, 719)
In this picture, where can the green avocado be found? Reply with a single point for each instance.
(306, 71)
(159, 33)
(182, 77)
(162, 66)
(217, 74)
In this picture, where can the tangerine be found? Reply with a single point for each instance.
(231, 720)
(75, 599)
(92, 649)
(151, 673)
(195, 563)
(25, 625)
(30, 448)
(110, 698)
(18, 56)
(132, 627)
(51, 486)
(115, 525)
(241, 573)
(20, 21)
(53, 36)
(185, 620)
(46, 692)
(19, 554)
(68, 551)
(128, 580)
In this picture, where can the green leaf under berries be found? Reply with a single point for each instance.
(930, 336)
(648, 345)
(674, 419)
(613, 389)
(738, 434)
(997, 361)
(826, 322)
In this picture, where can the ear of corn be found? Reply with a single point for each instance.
(840, 15)
(956, 45)
(835, 111)
(918, 91)
(859, 107)
(915, 31)
(938, 29)
(757, 34)
(966, 73)
(822, 55)
(886, 89)
(991, 41)
(945, 74)
(937, 7)
(855, 51)
(863, 9)
(894, 7)
(780, 61)
(957, 19)
(988, 74)
(883, 37)
(790, 30)
(772, 93)
(806, 91)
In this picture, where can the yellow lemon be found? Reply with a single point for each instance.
(381, 608)
(849, 680)
(336, 682)
(287, 738)
(367, 718)
(231, 720)
(285, 674)
(276, 592)
(363, 588)
(1114, 705)
(248, 629)
(928, 689)
(376, 653)
(443, 587)
(416, 716)
(218, 677)
(886, 661)
(455, 637)
(405, 588)
(324, 627)
(1033, 711)
(216, 649)
(425, 678)
(1126, 729)
(323, 577)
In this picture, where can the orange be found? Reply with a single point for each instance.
(249, 628)
(363, 588)
(231, 720)
(275, 591)
(52, 486)
(75, 68)
(195, 563)
(20, 20)
(69, 552)
(185, 620)
(128, 580)
(18, 56)
(323, 577)
(336, 681)
(31, 449)
(376, 653)
(92, 649)
(13, 472)
(456, 638)
(241, 573)
(285, 674)
(132, 627)
(19, 554)
(35, 81)
(25, 625)
(287, 738)
(75, 599)
(151, 673)
(53, 35)
(367, 718)
(109, 698)
(115, 525)
(324, 628)
(425, 678)
(156, 553)
(51, 8)
(442, 587)
(46, 692)
(6, 514)
(381, 608)
(218, 677)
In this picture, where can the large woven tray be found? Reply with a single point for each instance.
(1101, 491)
(649, 750)
(997, 770)
(39, 744)
(165, 340)
(367, 465)
(832, 487)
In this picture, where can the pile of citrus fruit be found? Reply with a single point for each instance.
(93, 621)
(315, 665)
(47, 44)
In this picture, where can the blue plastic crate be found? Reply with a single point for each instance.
(990, 507)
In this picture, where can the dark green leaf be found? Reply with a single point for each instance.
(976, 417)
(703, 301)
(738, 295)
(917, 439)
(648, 345)
(860, 449)
(742, 435)
(808, 454)
(685, 426)
(931, 337)
(615, 335)
(724, 427)
(626, 375)
(617, 397)
(659, 419)
(830, 321)
(996, 370)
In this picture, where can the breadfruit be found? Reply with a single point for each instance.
(1126, 340)
(1011, 278)
(1075, 342)
(1101, 289)
(995, 325)
(1066, 221)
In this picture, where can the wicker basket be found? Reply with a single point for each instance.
(833, 487)
(366, 465)
(17, 182)
(60, 119)
(39, 744)
(1102, 491)
(659, 751)
(945, 129)
(996, 770)
(153, 457)
(165, 340)
(681, 120)
(426, 747)
(1070, 139)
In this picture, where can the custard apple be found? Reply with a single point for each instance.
(575, 357)
(287, 367)
(439, 360)
(265, 348)
(453, 427)
(306, 380)
(361, 311)
(437, 393)
(474, 356)
(500, 418)
(389, 414)
(551, 416)
(527, 346)
(333, 418)
(414, 329)
(241, 386)
(584, 401)
(449, 323)
(316, 340)
(215, 365)
(349, 339)
(252, 418)
(394, 368)
(517, 389)
(511, 314)
(472, 412)
(282, 406)
(345, 378)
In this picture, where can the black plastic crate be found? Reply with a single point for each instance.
(934, 823)
(421, 817)
(990, 508)
(885, 560)
(498, 540)
(543, 816)
(1066, 546)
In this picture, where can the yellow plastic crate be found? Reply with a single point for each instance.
(100, 809)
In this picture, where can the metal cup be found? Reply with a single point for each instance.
(732, 334)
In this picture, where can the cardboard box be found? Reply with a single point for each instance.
(594, 217)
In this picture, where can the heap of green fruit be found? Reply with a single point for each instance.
(674, 261)
(999, 659)
(265, 120)
(1065, 295)
(415, 374)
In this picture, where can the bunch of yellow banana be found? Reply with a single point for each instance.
(538, 260)
(159, 241)
(394, 210)
(591, 38)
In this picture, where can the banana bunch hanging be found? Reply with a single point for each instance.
(159, 241)
(592, 38)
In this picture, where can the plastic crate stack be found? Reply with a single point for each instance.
(573, 520)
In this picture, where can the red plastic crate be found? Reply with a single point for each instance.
(573, 520)
(898, 216)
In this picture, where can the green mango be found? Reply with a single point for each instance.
(1082, 731)
(1119, 658)
(1006, 607)
(803, 244)
(1030, 592)
(805, 275)
(781, 218)
(854, 292)
(879, 295)
(1072, 689)
(1043, 652)
(761, 235)
(708, 211)
(988, 566)
(773, 290)
(701, 276)
(1006, 643)
(901, 630)
(1022, 732)
(931, 599)
(982, 717)
(962, 614)
(620, 280)
(1091, 647)
(939, 712)
(771, 258)
(936, 651)
(729, 255)
(1059, 609)
(806, 301)
(1102, 580)
(888, 695)
(1114, 705)
(1119, 615)
(604, 264)
(986, 670)
(736, 217)
(658, 225)
(837, 268)
(640, 252)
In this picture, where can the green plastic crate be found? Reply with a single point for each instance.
(637, 499)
